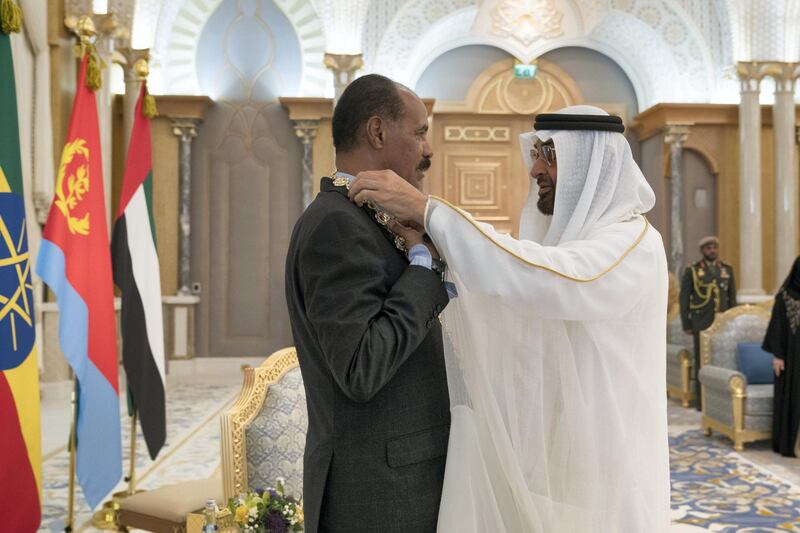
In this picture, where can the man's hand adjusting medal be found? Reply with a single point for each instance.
(388, 190)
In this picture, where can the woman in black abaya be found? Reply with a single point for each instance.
(783, 341)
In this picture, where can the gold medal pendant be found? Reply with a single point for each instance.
(382, 217)
(341, 181)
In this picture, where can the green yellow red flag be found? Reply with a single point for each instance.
(20, 439)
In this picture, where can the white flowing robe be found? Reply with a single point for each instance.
(557, 375)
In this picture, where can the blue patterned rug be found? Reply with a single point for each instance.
(715, 488)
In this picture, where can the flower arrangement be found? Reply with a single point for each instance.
(267, 511)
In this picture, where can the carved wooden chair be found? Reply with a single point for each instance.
(263, 437)
(680, 382)
(264, 433)
(741, 411)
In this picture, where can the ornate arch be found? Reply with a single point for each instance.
(656, 43)
(497, 92)
(181, 22)
(705, 155)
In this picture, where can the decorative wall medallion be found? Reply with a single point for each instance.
(650, 15)
(675, 33)
(527, 20)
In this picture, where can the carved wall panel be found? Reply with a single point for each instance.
(478, 165)
(246, 190)
(479, 183)
(477, 133)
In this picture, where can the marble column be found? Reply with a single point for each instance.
(186, 129)
(135, 70)
(344, 67)
(783, 128)
(306, 131)
(750, 277)
(675, 136)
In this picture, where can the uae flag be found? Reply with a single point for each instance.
(136, 273)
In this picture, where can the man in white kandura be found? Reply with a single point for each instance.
(557, 340)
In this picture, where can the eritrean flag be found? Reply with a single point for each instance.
(133, 250)
(74, 260)
(20, 440)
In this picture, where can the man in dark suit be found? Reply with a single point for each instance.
(364, 321)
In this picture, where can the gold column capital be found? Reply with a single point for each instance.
(93, 25)
(135, 62)
(306, 130)
(343, 63)
(344, 67)
(750, 74)
(785, 75)
(184, 127)
(676, 134)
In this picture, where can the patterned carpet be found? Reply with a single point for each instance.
(713, 487)
(716, 489)
(191, 452)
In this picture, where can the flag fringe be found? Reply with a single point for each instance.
(149, 109)
(10, 17)
(94, 78)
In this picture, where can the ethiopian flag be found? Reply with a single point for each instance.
(20, 440)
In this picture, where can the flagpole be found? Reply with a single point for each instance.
(132, 472)
(107, 518)
(72, 452)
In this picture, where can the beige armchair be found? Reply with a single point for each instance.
(263, 437)
(680, 382)
(741, 411)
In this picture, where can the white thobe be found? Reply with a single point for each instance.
(559, 423)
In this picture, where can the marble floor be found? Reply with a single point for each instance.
(195, 400)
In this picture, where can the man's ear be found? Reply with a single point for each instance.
(376, 132)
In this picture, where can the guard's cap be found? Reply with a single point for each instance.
(711, 239)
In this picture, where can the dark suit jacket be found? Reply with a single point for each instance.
(369, 343)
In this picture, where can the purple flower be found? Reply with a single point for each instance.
(273, 493)
(260, 491)
(275, 523)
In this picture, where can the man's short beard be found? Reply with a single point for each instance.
(546, 203)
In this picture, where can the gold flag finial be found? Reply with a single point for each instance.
(85, 28)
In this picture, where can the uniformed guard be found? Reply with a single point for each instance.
(707, 288)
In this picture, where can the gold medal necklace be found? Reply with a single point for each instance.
(382, 216)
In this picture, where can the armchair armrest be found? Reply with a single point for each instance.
(677, 353)
(720, 378)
